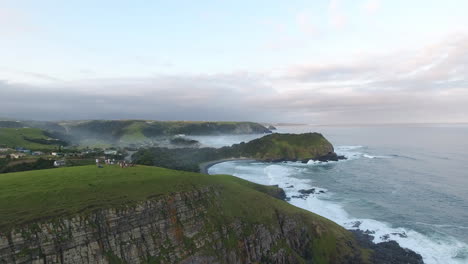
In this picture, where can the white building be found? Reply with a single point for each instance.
(17, 155)
(59, 163)
(110, 152)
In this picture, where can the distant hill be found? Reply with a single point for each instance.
(131, 131)
(29, 138)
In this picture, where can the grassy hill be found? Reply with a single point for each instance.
(286, 147)
(29, 138)
(28, 197)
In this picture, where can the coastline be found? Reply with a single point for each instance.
(386, 252)
(206, 165)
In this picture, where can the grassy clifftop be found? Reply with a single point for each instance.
(31, 195)
(35, 196)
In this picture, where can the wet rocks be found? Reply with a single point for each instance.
(331, 156)
(388, 252)
(305, 193)
(308, 191)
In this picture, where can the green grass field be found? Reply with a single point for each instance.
(29, 138)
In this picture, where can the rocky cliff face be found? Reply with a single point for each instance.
(185, 227)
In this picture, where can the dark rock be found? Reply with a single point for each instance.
(302, 196)
(331, 156)
(279, 193)
(403, 235)
(388, 252)
(385, 237)
(308, 191)
(357, 224)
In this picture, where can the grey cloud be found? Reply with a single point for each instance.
(164, 98)
(428, 85)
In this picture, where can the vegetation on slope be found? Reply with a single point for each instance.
(132, 130)
(274, 147)
(26, 197)
(29, 138)
(8, 165)
(286, 147)
(99, 132)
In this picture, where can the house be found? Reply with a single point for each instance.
(37, 153)
(110, 152)
(20, 149)
(59, 163)
(17, 155)
(5, 149)
(56, 154)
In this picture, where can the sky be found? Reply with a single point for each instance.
(315, 61)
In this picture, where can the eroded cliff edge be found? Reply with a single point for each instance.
(184, 227)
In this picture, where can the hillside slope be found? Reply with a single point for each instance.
(154, 215)
(30, 138)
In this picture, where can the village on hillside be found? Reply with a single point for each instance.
(20, 158)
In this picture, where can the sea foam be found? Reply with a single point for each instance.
(434, 249)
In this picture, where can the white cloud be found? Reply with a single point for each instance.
(304, 22)
(371, 7)
(13, 21)
(336, 16)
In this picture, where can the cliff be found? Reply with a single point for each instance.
(153, 215)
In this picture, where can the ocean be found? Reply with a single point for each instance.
(407, 183)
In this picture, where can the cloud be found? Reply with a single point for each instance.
(425, 85)
(336, 16)
(371, 7)
(201, 97)
(13, 21)
(304, 22)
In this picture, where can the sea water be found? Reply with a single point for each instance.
(404, 183)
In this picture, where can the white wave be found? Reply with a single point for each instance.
(434, 250)
(347, 148)
(349, 152)
(375, 157)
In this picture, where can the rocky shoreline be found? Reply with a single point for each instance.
(389, 252)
